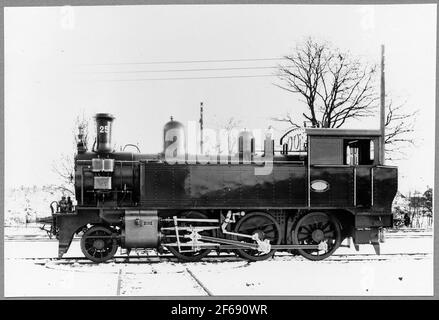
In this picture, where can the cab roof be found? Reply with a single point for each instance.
(342, 132)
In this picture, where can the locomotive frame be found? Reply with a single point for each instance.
(308, 204)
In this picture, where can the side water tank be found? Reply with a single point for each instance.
(174, 139)
(246, 146)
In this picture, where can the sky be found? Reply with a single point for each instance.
(61, 62)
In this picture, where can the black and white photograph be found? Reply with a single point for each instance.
(219, 150)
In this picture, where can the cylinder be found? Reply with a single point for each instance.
(103, 136)
(141, 229)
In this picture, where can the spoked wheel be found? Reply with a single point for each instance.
(316, 227)
(189, 256)
(265, 226)
(98, 245)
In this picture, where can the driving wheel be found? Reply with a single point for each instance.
(265, 226)
(314, 228)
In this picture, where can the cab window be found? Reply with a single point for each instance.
(359, 152)
(326, 150)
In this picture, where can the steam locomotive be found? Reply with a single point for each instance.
(307, 203)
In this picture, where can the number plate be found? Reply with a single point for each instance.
(102, 183)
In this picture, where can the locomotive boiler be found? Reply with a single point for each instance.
(307, 203)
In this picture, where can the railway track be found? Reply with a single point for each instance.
(46, 239)
(148, 258)
(126, 270)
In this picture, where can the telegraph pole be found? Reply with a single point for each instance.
(201, 127)
(382, 108)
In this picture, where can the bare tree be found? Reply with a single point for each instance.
(337, 87)
(399, 125)
(289, 120)
(231, 125)
(64, 167)
(334, 85)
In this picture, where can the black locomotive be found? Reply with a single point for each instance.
(307, 203)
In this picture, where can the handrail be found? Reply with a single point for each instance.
(131, 145)
(332, 165)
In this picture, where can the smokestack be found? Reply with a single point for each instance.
(103, 135)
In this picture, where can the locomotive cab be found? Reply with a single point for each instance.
(345, 171)
(343, 147)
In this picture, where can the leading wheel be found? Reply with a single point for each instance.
(98, 244)
(316, 227)
(190, 256)
(265, 226)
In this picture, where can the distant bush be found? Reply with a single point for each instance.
(25, 204)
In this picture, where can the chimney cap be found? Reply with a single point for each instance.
(104, 116)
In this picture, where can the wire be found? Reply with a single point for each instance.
(182, 70)
(193, 78)
(184, 61)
